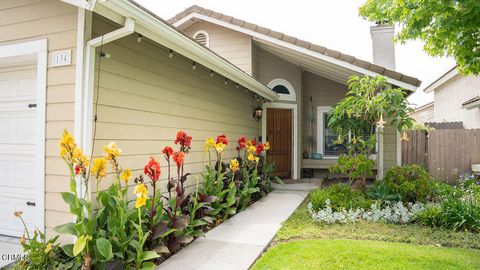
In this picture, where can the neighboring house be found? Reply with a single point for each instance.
(456, 99)
(151, 81)
(424, 113)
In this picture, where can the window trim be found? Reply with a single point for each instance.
(321, 110)
(207, 37)
(288, 85)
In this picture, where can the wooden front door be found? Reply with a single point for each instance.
(279, 134)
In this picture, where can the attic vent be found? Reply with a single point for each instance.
(202, 38)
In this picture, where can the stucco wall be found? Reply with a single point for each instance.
(426, 114)
(56, 21)
(146, 97)
(231, 45)
(450, 96)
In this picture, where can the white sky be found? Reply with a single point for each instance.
(333, 24)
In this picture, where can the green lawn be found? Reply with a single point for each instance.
(362, 254)
(302, 243)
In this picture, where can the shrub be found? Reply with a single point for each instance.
(357, 168)
(460, 215)
(341, 196)
(412, 182)
(430, 216)
(383, 193)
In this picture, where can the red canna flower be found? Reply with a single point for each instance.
(152, 169)
(167, 151)
(242, 142)
(77, 169)
(179, 157)
(184, 140)
(260, 148)
(222, 139)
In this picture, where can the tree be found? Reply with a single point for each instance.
(448, 27)
(356, 117)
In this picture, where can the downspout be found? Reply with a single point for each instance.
(88, 91)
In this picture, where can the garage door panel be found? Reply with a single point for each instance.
(11, 225)
(18, 164)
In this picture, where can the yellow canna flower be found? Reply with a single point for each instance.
(234, 165)
(251, 149)
(126, 174)
(48, 248)
(251, 157)
(209, 143)
(67, 145)
(141, 191)
(267, 146)
(111, 151)
(99, 168)
(220, 147)
(141, 201)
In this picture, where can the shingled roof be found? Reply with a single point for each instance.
(298, 42)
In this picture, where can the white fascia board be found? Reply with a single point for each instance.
(293, 47)
(443, 79)
(84, 4)
(165, 35)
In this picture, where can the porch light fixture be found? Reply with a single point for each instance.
(194, 65)
(257, 114)
(211, 73)
(139, 38)
(170, 54)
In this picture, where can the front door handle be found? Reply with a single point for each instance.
(31, 203)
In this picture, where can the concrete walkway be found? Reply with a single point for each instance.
(238, 242)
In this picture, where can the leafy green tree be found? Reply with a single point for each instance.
(356, 117)
(448, 27)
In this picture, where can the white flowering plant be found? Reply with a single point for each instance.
(398, 213)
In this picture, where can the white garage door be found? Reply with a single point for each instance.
(17, 149)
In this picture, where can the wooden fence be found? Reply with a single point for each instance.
(445, 152)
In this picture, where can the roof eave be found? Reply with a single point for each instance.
(162, 33)
(194, 14)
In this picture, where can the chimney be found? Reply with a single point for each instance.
(382, 44)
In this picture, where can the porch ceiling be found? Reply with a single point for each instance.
(308, 63)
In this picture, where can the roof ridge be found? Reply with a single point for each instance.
(298, 42)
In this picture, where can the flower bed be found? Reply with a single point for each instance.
(142, 232)
(406, 195)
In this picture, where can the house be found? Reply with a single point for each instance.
(424, 113)
(456, 99)
(114, 71)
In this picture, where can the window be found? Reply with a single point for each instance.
(202, 37)
(283, 88)
(326, 137)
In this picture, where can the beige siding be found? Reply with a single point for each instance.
(231, 45)
(390, 141)
(324, 92)
(26, 20)
(146, 97)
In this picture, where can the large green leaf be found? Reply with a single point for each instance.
(67, 228)
(148, 255)
(79, 245)
(105, 248)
